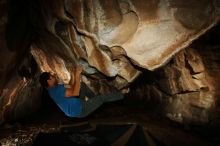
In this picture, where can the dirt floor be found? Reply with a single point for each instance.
(158, 130)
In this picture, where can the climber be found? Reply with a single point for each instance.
(72, 100)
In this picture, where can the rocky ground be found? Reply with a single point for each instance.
(164, 132)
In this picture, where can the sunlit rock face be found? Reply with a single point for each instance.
(112, 40)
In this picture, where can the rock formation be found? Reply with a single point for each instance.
(192, 87)
(114, 41)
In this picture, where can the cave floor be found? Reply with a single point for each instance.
(157, 130)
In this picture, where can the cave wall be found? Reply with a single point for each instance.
(191, 78)
(185, 90)
(113, 41)
(19, 88)
(191, 89)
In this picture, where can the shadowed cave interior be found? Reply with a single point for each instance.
(141, 110)
(175, 104)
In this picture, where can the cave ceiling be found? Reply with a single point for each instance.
(111, 38)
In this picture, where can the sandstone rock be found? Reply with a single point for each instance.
(137, 30)
(191, 86)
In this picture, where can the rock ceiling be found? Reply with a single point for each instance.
(114, 37)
